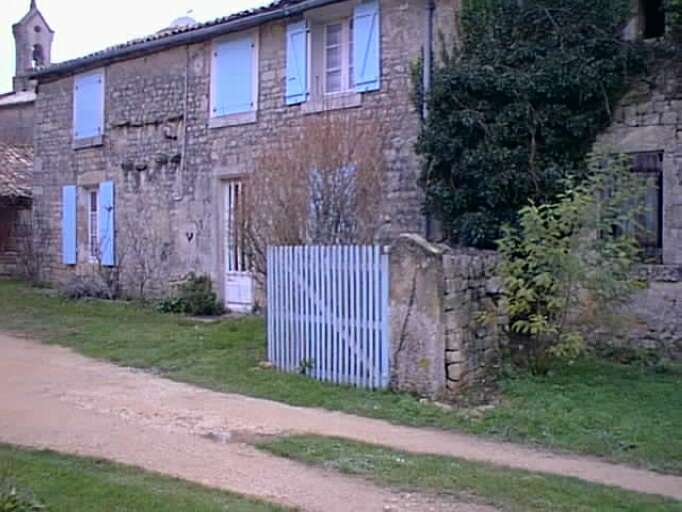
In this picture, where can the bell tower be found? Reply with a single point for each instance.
(33, 43)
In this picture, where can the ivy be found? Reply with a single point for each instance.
(517, 108)
(673, 11)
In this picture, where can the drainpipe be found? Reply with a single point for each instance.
(426, 85)
(428, 54)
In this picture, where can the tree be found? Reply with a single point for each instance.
(142, 249)
(324, 188)
(517, 108)
(569, 258)
(33, 244)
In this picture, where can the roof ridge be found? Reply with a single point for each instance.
(166, 33)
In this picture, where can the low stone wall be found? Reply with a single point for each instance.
(445, 326)
(473, 324)
(652, 319)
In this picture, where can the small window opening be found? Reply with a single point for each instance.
(37, 29)
(649, 230)
(38, 56)
(653, 18)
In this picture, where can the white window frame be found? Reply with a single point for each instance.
(95, 138)
(249, 116)
(347, 64)
(93, 225)
(318, 100)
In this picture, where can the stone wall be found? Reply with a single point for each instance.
(446, 331)
(16, 123)
(652, 319)
(649, 118)
(168, 164)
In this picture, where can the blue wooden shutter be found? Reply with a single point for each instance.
(297, 63)
(233, 77)
(366, 46)
(107, 233)
(69, 204)
(88, 112)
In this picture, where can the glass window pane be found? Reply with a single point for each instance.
(333, 58)
(334, 34)
(333, 81)
(351, 69)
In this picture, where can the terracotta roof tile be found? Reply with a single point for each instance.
(16, 163)
(164, 34)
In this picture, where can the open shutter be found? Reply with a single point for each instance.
(69, 202)
(297, 63)
(233, 77)
(366, 46)
(107, 233)
(88, 112)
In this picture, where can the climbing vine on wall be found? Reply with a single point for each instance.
(673, 10)
(517, 108)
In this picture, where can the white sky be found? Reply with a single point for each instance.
(84, 26)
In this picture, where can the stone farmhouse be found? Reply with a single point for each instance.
(152, 141)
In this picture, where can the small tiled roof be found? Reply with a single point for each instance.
(168, 34)
(17, 98)
(16, 163)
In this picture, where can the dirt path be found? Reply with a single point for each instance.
(53, 398)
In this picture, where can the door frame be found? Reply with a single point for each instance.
(223, 253)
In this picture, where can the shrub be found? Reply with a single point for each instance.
(571, 259)
(195, 296)
(14, 500)
(324, 189)
(87, 286)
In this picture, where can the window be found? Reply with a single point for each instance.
(93, 219)
(653, 18)
(333, 55)
(649, 229)
(338, 56)
(234, 87)
(88, 105)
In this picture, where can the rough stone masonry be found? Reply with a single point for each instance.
(447, 330)
(168, 164)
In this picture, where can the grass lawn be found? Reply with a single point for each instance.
(68, 484)
(624, 413)
(510, 490)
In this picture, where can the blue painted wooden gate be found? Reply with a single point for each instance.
(328, 313)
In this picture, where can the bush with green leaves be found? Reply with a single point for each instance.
(195, 296)
(570, 260)
(516, 109)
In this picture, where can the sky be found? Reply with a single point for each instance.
(84, 26)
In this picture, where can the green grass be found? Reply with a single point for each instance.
(69, 484)
(624, 413)
(510, 490)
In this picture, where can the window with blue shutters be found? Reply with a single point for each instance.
(88, 105)
(234, 88)
(69, 216)
(334, 55)
(297, 63)
(106, 228)
(366, 46)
